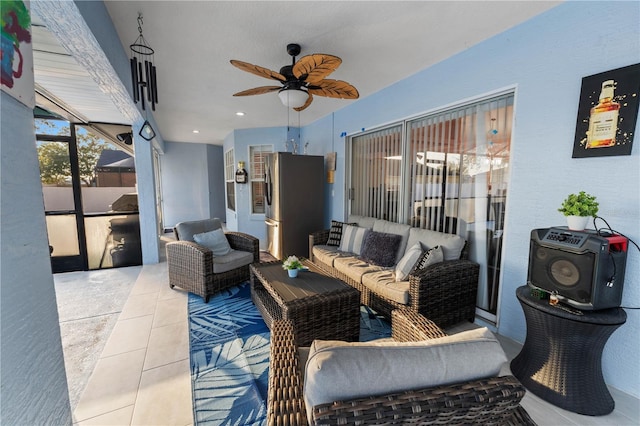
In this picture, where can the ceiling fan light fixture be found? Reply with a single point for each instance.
(293, 98)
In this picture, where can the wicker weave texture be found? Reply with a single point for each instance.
(191, 265)
(492, 401)
(561, 359)
(444, 292)
(326, 315)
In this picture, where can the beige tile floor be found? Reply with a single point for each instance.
(143, 377)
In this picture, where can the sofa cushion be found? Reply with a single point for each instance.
(451, 244)
(352, 238)
(354, 268)
(384, 284)
(186, 230)
(429, 257)
(335, 233)
(327, 254)
(394, 228)
(380, 248)
(340, 371)
(408, 261)
(363, 221)
(215, 241)
(232, 260)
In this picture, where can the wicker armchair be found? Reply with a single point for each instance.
(491, 401)
(444, 292)
(194, 268)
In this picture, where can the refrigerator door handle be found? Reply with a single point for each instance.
(268, 185)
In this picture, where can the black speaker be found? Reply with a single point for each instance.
(584, 269)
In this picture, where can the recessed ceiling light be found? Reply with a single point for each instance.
(196, 131)
(239, 113)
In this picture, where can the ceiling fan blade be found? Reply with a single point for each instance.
(313, 68)
(258, 70)
(258, 90)
(306, 104)
(334, 89)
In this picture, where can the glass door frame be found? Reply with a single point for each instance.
(78, 262)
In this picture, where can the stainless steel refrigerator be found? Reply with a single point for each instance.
(294, 202)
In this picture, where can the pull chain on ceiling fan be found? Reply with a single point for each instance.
(301, 80)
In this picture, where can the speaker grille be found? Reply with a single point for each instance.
(556, 270)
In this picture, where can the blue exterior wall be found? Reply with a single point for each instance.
(544, 59)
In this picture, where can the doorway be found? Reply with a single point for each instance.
(90, 199)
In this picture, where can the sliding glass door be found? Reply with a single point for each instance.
(447, 171)
(90, 199)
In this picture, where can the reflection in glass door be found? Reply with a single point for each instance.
(90, 198)
(61, 202)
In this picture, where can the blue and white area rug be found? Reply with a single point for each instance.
(229, 345)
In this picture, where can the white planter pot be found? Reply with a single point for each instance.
(577, 223)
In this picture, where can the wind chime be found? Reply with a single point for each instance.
(144, 77)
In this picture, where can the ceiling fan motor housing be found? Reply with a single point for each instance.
(293, 49)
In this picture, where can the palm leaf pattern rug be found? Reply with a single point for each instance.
(229, 352)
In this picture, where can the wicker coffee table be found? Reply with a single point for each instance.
(320, 307)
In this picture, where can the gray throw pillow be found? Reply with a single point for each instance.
(352, 238)
(429, 257)
(215, 241)
(380, 248)
(408, 261)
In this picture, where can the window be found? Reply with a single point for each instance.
(229, 177)
(447, 171)
(257, 155)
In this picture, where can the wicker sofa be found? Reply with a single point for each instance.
(492, 400)
(193, 267)
(444, 292)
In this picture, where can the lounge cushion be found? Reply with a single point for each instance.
(363, 221)
(186, 230)
(352, 238)
(380, 248)
(327, 254)
(335, 233)
(384, 284)
(215, 241)
(451, 244)
(394, 228)
(340, 371)
(408, 261)
(429, 257)
(354, 268)
(232, 260)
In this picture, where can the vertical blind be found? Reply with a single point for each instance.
(447, 171)
(375, 173)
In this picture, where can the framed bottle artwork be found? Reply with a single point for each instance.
(607, 113)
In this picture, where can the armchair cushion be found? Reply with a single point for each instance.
(185, 230)
(232, 260)
(215, 241)
(339, 371)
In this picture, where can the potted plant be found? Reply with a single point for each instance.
(578, 208)
(292, 265)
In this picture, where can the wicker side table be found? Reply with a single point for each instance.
(561, 360)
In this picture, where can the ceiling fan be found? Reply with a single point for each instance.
(301, 80)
